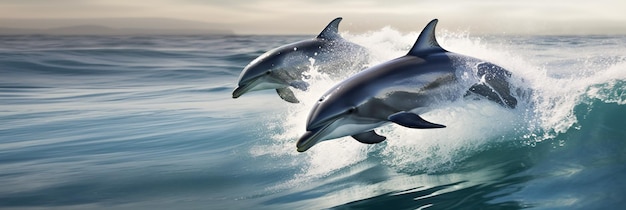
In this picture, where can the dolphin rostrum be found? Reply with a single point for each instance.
(399, 90)
(286, 66)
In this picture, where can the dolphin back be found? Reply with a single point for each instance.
(496, 79)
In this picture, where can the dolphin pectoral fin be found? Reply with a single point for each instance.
(287, 95)
(369, 137)
(412, 120)
(300, 85)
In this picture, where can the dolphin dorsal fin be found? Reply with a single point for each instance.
(426, 43)
(331, 31)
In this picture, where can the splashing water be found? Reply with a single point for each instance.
(145, 122)
(546, 108)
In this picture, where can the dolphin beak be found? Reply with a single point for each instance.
(315, 133)
(240, 90)
(312, 137)
(307, 140)
(250, 85)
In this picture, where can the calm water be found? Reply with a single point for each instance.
(148, 122)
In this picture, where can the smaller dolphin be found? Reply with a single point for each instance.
(285, 66)
(398, 90)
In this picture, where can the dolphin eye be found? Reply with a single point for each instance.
(268, 72)
(351, 110)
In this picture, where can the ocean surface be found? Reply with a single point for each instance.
(148, 122)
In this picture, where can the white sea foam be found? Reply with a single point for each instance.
(546, 108)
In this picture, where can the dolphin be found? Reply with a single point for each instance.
(398, 90)
(286, 66)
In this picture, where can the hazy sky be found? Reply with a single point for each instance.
(309, 16)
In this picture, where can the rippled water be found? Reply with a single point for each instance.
(138, 122)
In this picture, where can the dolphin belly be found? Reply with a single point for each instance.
(347, 129)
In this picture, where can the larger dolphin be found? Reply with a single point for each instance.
(399, 90)
(284, 67)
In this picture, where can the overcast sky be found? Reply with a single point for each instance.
(309, 16)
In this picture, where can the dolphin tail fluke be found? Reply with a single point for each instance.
(485, 91)
(331, 31)
(369, 137)
(492, 95)
(412, 120)
(287, 95)
(497, 86)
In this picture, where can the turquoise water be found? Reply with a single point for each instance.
(148, 122)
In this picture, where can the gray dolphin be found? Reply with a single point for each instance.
(400, 89)
(285, 66)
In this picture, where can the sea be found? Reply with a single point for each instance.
(149, 122)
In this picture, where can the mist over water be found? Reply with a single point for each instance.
(129, 122)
